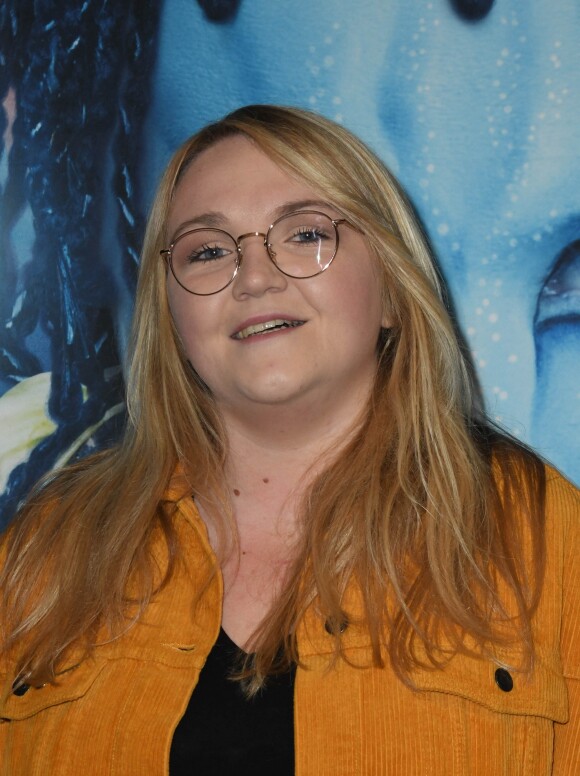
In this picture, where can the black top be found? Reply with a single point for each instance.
(223, 732)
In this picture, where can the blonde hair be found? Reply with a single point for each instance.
(425, 509)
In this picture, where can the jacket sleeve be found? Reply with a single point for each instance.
(563, 502)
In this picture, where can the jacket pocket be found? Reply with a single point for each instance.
(71, 684)
(540, 692)
(355, 719)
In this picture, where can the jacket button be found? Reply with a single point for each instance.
(19, 689)
(332, 627)
(504, 680)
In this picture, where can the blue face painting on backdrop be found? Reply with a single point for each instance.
(473, 103)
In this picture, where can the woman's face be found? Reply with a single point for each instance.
(330, 356)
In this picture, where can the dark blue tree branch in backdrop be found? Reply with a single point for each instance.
(80, 73)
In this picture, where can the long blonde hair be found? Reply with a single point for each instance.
(424, 509)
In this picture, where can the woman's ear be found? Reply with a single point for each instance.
(389, 319)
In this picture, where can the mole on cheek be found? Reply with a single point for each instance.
(236, 492)
(265, 480)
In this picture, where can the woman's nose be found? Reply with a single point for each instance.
(257, 273)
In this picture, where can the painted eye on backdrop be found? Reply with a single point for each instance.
(559, 300)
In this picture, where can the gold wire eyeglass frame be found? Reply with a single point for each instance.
(167, 253)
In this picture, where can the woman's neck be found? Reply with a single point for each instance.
(274, 460)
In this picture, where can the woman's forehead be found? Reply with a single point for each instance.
(235, 175)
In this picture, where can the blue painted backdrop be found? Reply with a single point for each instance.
(473, 103)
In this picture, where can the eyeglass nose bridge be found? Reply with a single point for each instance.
(239, 248)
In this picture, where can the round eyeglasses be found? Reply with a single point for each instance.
(301, 245)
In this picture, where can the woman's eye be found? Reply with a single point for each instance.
(207, 253)
(309, 235)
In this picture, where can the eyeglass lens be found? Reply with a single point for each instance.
(301, 245)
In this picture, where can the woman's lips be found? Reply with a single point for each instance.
(266, 327)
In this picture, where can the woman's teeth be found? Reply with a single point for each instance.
(261, 328)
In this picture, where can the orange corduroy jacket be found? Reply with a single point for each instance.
(114, 714)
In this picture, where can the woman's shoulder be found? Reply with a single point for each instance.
(561, 520)
(562, 498)
(532, 484)
(560, 603)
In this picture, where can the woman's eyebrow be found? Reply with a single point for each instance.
(213, 218)
(301, 204)
(218, 220)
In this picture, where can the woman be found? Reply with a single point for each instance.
(305, 465)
